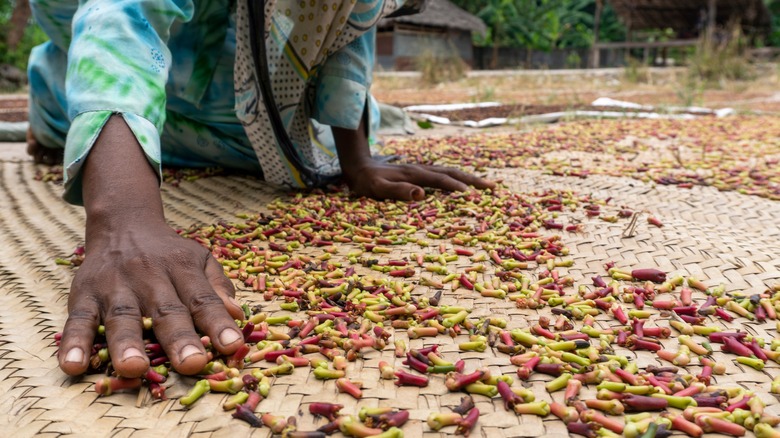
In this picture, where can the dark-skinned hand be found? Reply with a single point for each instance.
(366, 176)
(149, 271)
(136, 266)
(406, 182)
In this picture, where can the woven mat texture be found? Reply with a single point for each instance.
(719, 237)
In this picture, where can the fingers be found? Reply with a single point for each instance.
(124, 334)
(40, 154)
(430, 177)
(464, 177)
(32, 143)
(52, 157)
(173, 328)
(404, 191)
(78, 334)
(223, 287)
(208, 311)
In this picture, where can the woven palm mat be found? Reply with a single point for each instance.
(718, 237)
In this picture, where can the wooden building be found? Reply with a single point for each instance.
(689, 18)
(442, 29)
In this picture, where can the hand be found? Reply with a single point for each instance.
(137, 266)
(406, 181)
(40, 154)
(149, 270)
(368, 177)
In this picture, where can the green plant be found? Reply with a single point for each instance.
(720, 58)
(690, 91)
(773, 38)
(574, 60)
(32, 36)
(484, 94)
(636, 72)
(437, 67)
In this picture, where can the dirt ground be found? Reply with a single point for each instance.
(575, 88)
(533, 92)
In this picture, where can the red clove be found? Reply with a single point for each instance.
(327, 410)
(407, 379)
(110, 385)
(467, 423)
(649, 274)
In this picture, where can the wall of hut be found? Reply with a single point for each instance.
(399, 47)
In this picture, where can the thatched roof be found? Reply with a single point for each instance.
(687, 16)
(441, 14)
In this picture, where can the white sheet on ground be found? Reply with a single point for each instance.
(646, 112)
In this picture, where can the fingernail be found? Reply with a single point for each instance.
(188, 351)
(75, 355)
(131, 353)
(416, 193)
(234, 301)
(228, 336)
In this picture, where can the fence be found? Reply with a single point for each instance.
(519, 57)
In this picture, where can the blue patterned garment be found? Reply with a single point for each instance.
(169, 67)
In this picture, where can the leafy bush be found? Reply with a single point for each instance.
(773, 39)
(437, 67)
(721, 57)
(635, 71)
(33, 36)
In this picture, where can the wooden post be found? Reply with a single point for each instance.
(17, 24)
(629, 33)
(595, 53)
(712, 13)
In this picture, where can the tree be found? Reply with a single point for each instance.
(498, 16)
(572, 23)
(537, 24)
(543, 24)
(18, 34)
(773, 39)
(17, 24)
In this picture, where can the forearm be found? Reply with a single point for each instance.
(138, 266)
(118, 62)
(352, 146)
(119, 183)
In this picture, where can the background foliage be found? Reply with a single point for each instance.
(774, 35)
(33, 35)
(541, 25)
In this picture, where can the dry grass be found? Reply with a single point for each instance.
(437, 69)
(665, 86)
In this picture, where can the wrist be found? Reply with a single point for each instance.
(353, 150)
(119, 204)
(103, 225)
(120, 189)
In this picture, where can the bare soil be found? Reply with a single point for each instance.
(540, 92)
(577, 89)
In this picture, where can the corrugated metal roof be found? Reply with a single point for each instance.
(688, 16)
(442, 14)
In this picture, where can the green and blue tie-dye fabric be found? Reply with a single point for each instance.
(167, 66)
(118, 61)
